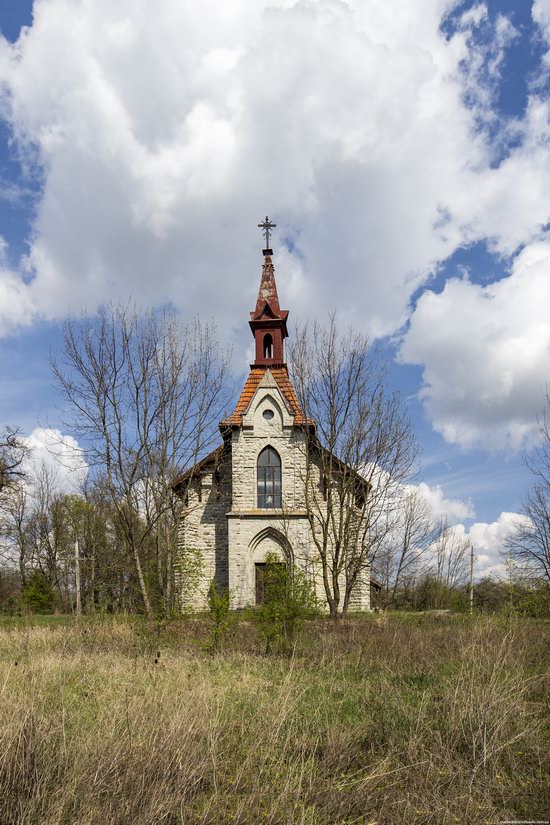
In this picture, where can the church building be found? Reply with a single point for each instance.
(246, 499)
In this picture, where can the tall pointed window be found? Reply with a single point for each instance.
(269, 479)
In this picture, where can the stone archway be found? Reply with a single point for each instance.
(268, 541)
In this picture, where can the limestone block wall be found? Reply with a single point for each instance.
(360, 595)
(251, 538)
(253, 532)
(223, 533)
(258, 432)
(203, 537)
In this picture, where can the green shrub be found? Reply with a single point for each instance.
(39, 595)
(534, 601)
(219, 605)
(289, 598)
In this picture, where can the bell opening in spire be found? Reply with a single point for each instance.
(268, 320)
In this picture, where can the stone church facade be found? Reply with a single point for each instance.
(247, 499)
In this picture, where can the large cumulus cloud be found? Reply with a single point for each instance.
(451, 510)
(162, 138)
(485, 352)
(489, 540)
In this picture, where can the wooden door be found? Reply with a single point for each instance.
(260, 569)
(260, 582)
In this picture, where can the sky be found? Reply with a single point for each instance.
(403, 150)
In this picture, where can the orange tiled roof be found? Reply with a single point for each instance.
(280, 374)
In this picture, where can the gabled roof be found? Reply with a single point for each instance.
(340, 465)
(212, 458)
(280, 374)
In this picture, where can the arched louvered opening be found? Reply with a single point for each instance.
(269, 479)
(268, 346)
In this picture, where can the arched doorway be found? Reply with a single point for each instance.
(268, 542)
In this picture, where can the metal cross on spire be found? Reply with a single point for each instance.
(266, 228)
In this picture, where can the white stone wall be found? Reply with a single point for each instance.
(253, 533)
(227, 531)
(256, 434)
(202, 537)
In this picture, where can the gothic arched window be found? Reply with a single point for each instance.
(269, 479)
(268, 346)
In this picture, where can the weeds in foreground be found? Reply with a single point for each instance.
(221, 616)
(382, 722)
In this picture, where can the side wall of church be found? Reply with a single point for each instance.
(203, 537)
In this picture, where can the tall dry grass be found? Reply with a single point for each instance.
(389, 722)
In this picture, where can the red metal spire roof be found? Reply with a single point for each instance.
(267, 303)
(268, 320)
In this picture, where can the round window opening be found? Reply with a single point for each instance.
(268, 414)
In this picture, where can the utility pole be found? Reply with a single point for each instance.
(77, 576)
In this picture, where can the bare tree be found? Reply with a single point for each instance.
(33, 525)
(144, 395)
(49, 533)
(357, 458)
(39, 527)
(529, 542)
(414, 533)
(15, 519)
(13, 452)
(452, 558)
(106, 579)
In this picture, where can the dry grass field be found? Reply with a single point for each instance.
(394, 720)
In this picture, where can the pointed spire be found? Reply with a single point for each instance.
(268, 299)
(268, 321)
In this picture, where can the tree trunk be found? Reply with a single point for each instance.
(142, 587)
(22, 571)
(169, 571)
(160, 576)
(92, 601)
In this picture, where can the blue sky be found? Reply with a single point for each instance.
(403, 152)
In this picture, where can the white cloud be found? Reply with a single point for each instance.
(485, 352)
(489, 541)
(452, 509)
(541, 16)
(60, 454)
(474, 16)
(16, 307)
(162, 138)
